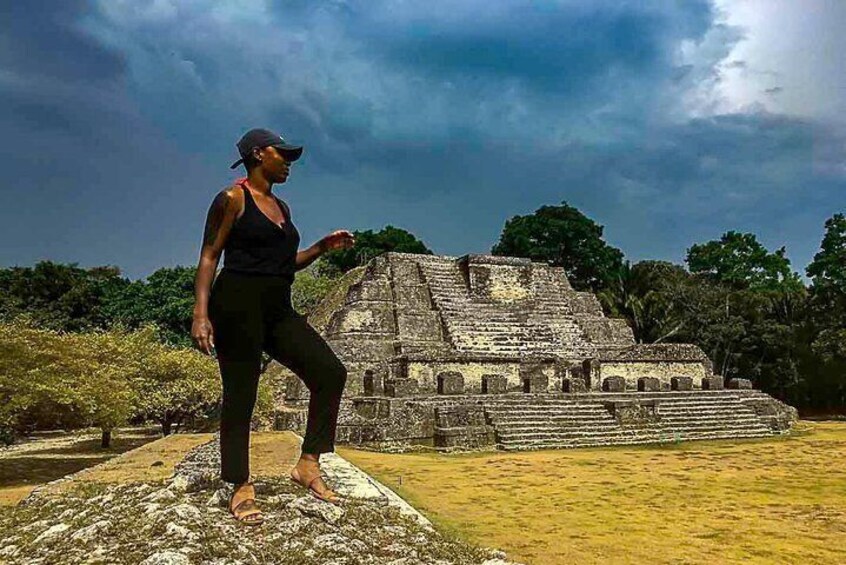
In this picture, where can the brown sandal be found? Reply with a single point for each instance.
(251, 514)
(331, 497)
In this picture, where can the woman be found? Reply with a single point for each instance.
(248, 310)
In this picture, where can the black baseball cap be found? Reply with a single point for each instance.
(260, 137)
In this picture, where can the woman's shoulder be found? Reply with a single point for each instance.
(228, 201)
(231, 193)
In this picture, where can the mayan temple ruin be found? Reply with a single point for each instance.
(490, 352)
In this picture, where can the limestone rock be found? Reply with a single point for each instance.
(310, 506)
(681, 383)
(740, 384)
(51, 532)
(167, 558)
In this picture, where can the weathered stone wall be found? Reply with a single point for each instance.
(426, 374)
(505, 284)
(662, 370)
(369, 318)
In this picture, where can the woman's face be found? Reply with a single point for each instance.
(276, 166)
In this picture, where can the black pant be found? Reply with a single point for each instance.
(251, 314)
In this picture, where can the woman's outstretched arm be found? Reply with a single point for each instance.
(339, 239)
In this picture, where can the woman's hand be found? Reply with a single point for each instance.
(203, 334)
(340, 239)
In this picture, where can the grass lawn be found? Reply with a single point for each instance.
(780, 500)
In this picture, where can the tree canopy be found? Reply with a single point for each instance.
(369, 244)
(738, 259)
(740, 302)
(563, 236)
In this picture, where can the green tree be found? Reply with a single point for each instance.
(51, 379)
(647, 295)
(98, 367)
(827, 313)
(172, 384)
(369, 244)
(828, 269)
(563, 236)
(34, 391)
(739, 260)
(165, 298)
(59, 297)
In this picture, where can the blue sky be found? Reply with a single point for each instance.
(667, 122)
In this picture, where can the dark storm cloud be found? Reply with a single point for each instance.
(442, 118)
(52, 74)
(564, 49)
(39, 40)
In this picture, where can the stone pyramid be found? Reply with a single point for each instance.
(430, 336)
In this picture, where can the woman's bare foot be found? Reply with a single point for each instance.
(242, 505)
(307, 473)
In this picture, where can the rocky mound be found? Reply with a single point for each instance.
(184, 520)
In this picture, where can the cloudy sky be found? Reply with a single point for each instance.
(667, 122)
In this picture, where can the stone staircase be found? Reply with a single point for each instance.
(474, 325)
(552, 421)
(554, 307)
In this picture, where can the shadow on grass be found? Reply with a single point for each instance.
(40, 466)
(32, 470)
(91, 446)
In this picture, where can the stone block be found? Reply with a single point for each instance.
(412, 297)
(464, 437)
(459, 415)
(648, 384)
(681, 383)
(400, 387)
(494, 384)
(295, 389)
(775, 413)
(635, 413)
(713, 383)
(591, 373)
(576, 372)
(372, 408)
(408, 272)
(363, 348)
(420, 326)
(368, 384)
(371, 320)
(535, 382)
(740, 384)
(613, 384)
(370, 433)
(573, 385)
(608, 330)
(369, 290)
(347, 435)
(450, 382)
(290, 419)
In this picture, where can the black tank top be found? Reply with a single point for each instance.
(256, 245)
